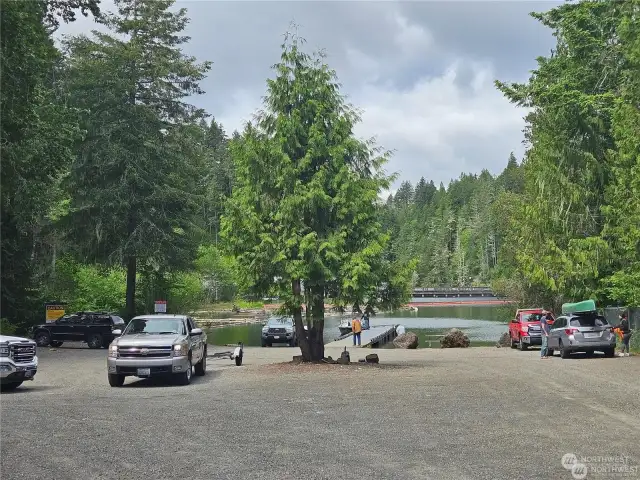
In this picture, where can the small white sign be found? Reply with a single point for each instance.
(161, 306)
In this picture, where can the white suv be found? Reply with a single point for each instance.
(18, 361)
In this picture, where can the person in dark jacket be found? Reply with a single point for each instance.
(626, 334)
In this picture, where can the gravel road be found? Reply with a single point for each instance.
(480, 413)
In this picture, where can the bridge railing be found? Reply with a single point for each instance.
(453, 289)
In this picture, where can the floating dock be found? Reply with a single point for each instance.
(374, 337)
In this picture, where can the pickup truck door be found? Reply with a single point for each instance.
(195, 341)
(513, 329)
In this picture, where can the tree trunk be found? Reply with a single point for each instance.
(311, 341)
(131, 287)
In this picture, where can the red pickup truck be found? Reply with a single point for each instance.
(524, 329)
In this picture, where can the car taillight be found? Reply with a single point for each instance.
(570, 331)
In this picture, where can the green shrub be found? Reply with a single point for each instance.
(186, 292)
(6, 327)
(88, 287)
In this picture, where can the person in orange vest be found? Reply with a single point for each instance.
(356, 328)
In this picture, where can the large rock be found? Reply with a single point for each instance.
(455, 339)
(406, 340)
(505, 340)
(372, 358)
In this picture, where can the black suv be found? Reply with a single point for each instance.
(93, 328)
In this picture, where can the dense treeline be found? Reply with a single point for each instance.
(454, 233)
(566, 223)
(116, 190)
(111, 180)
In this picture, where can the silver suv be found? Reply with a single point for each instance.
(583, 332)
(153, 345)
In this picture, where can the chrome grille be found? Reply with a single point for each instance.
(22, 352)
(277, 330)
(144, 352)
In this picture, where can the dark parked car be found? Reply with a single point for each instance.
(93, 328)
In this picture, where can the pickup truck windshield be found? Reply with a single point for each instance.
(280, 322)
(531, 317)
(155, 326)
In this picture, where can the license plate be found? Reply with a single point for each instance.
(276, 337)
(28, 373)
(591, 334)
(144, 372)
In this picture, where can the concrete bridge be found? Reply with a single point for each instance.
(452, 292)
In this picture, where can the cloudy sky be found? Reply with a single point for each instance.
(422, 72)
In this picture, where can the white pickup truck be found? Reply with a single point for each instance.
(18, 361)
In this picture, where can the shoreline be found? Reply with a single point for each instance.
(258, 315)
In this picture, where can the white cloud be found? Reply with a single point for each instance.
(411, 38)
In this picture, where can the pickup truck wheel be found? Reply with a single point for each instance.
(42, 338)
(184, 378)
(522, 346)
(514, 344)
(116, 380)
(55, 343)
(610, 352)
(7, 387)
(263, 343)
(201, 366)
(94, 340)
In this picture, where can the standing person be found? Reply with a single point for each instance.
(365, 321)
(626, 334)
(544, 330)
(356, 328)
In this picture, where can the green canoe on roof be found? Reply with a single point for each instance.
(580, 307)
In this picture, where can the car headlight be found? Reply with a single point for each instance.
(180, 350)
(113, 351)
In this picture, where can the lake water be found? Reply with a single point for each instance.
(483, 325)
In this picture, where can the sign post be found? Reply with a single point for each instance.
(160, 306)
(54, 310)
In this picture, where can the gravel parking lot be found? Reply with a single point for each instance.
(480, 413)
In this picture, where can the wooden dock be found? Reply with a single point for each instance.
(373, 338)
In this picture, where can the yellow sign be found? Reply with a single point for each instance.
(54, 312)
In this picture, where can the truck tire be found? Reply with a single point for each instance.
(94, 340)
(201, 366)
(8, 387)
(42, 338)
(184, 378)
(513, 344)
(55, 343)
(116, 380)
(610, 352)
(522, 346)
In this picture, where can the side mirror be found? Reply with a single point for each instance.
(195, 331)
(117, 332)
